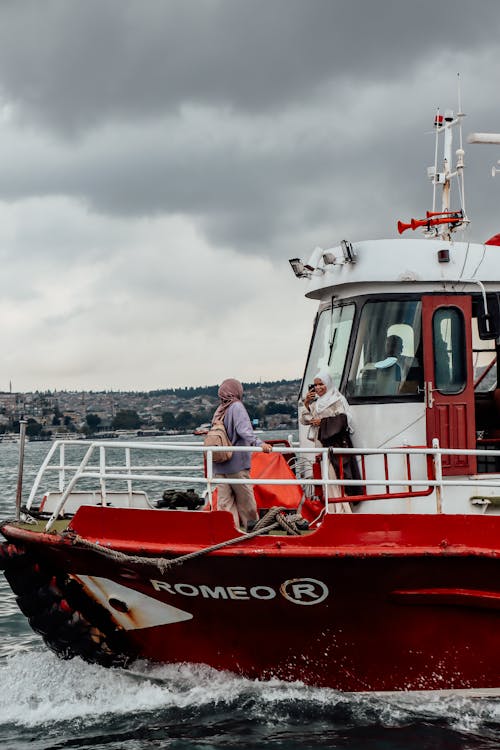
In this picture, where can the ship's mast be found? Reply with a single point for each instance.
(448, 142)
(442, 223)
(445, 125)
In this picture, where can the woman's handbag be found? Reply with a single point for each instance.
(333, 431)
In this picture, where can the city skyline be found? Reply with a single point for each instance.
(49, 414)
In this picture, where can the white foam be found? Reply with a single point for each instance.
(38, 688)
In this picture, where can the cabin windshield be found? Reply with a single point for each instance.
(484, 359)
(330, 343)
(387, 358)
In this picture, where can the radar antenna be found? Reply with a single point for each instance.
(442, 223)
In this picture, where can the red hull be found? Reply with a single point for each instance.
(364, 603)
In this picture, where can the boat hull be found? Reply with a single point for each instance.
(366, 603)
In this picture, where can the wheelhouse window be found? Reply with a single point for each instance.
(330, 343)
(484, 361)
(387, 358)
(450, 367)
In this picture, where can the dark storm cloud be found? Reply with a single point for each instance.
(153, 152)
(250, 188)
(253, 118)
(73, 65)
(238, 184)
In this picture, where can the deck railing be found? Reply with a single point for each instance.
(420, 469)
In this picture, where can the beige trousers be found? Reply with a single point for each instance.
(334, 491)
(238, 499)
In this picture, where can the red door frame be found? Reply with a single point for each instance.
(449, 417)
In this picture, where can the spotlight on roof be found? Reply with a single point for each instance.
(300, 270)
(329, 259)
(348, 251)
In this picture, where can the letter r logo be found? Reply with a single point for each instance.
(304, 591)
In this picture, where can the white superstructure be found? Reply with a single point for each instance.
(409, 329)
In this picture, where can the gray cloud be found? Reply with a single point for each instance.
(153, 153)
(74, 65)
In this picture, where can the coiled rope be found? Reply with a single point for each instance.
(275, 518)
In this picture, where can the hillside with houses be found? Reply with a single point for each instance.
(50, 414)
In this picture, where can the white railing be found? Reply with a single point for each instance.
(202, 473)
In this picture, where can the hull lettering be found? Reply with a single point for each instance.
(304, 591)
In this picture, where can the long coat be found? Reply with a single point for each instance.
(306, 416)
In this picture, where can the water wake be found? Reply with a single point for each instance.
(39, 689)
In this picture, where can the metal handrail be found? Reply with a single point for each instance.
(103, 471)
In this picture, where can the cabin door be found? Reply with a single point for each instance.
(448, 376)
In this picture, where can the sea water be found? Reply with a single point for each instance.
(49, 703)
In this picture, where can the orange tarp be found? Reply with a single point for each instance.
(272, 466)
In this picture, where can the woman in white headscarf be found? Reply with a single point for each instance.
(321, 402)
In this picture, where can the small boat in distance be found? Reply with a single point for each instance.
(400, 593)
(9, 437)
(202, 429)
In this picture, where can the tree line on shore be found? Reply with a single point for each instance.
(129, 419)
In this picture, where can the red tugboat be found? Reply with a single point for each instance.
(402, 593)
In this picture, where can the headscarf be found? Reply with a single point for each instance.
(230, 390)
(331, 396)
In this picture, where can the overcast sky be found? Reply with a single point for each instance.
(160, 161)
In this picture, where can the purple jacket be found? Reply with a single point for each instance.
(240, 432)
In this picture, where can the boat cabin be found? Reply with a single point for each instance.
(409, 330)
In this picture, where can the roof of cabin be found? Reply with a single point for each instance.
(399, 263)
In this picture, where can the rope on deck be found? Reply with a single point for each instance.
(275, 518)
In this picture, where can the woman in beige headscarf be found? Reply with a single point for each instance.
(319, 403)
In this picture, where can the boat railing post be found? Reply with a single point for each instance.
(324, 475)
(102, 472)
(41, 473)
(128, 466)
(438, 472)
(20, 468)
(72, 482)
(210, 469)
(62, 473)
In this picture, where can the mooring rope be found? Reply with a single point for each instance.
(275, 518)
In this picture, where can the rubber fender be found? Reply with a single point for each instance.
(57, 607)
(90, 609)
(36, 600)
(49, 620)
(25, 577)
(92, 652)
(10, 552)
(68, 634)
(60, 649)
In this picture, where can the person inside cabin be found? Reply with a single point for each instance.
(329, 417)
(238, 499)
(394, 348)
(391, 370)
